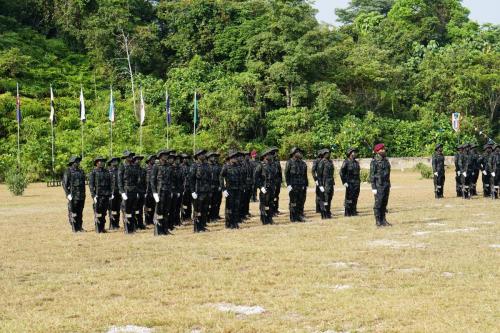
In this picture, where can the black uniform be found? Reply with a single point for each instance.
(439, 174)
(475, 170)
(187, 206)
(115, 201)
(326, 183)
(177, 187)
(247, 186)
(141, 196)
(230, 179)
(216, 191)
(319, 195)
(349, 174)
(380, 178)
(465, 168)
(149, 201)
(458, 182)
(265, 174)
(100, 189)
(494, 166)
(296, 177)
(254, 163)
(74, 184)
(161, 184)
(128, 182)
(278, 180)
(200, 181)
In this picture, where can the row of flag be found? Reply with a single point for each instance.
(111, 112)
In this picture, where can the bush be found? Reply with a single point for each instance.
(425, 170)
(364, 175)
(17, 181)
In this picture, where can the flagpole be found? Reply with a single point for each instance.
(167, 107)
(140, 138)
(52, 129)
(110, 139)
(194, 122)
(82, 139)
(18, 105)
(53, 159)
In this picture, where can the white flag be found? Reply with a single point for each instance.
(52, 111)
(82, 107)
(142, 114)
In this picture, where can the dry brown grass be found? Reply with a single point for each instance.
(435, 270)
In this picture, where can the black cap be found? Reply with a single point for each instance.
(439, 145)
(127, 154)
(138, 157)
(295, 150)
(99, 158)
(74, 159)
(112, 159)
(233, 153)
(351, 150)
(163, 152)
(266, 152)
(199, 152)
(212, 153)
(184, 155)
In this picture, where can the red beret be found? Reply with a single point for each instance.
(378, 147)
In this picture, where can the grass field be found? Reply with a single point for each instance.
(436, 270)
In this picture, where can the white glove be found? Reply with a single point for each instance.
(124, 196)
(156, 197)
(70, 197)
(322, 189)
(465, 174)
(435, 173)
(178, 195)
(263, 190)
(346, 185)
(374, 191)
(95, 199)
(458, 173)
(220, 188)
(289, 188)
(112, 196)
(485, 173)
(493, 174)
(225, 193)
(194, 195)
(316, 182)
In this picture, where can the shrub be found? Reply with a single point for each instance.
(17, 181)
(364, 175)
(425, 170)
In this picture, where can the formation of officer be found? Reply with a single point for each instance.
(326, 183)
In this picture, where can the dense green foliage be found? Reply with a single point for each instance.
(266, 73)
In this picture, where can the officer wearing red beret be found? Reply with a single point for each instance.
(380, 178)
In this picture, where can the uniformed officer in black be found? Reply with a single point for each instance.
(495, 172)
(439, 171)
(199, 184)
(187, 206)
(297, 182)
(380, 178)
(264, 178)
(73, 184)
(314, 171)
(116, 200)
(177, 188)
(464, 167)
(100, 190)
(215, 187)
(483, 166)
(475, 168)
(278, 180)
(128, 182)
(349, 174)
(230, 181)
(160, 182)
(458, 179)
(247, 186)
(149, 201)
(141, 192)
(326, 182)
(254, 161)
